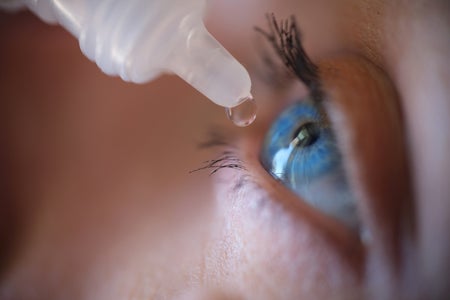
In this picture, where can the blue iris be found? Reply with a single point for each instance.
(300, 150)
(289, 162)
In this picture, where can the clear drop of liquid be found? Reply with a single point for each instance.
(244, 114)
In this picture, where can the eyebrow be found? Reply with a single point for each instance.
(286, 39)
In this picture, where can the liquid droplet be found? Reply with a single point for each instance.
(244, 114)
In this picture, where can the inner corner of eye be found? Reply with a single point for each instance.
(299, 151)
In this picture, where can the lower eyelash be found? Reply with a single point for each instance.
(227, 160)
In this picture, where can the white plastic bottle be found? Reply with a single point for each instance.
(140, 39)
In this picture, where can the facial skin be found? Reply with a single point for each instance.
(98, 203)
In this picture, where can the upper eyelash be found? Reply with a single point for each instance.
(286, 40)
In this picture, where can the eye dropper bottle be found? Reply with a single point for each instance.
(140, 39)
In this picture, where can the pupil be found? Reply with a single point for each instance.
(306, 135)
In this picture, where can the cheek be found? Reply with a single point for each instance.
(264, 251)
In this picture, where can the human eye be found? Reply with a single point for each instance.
(340, 146)
(322, 175)
(299, 149)
(302, 147)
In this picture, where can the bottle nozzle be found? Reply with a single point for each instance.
(140, 39)
(211, 69)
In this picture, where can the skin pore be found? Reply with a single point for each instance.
(97, 200)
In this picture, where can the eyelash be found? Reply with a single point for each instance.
(228, 159)
(286, 39)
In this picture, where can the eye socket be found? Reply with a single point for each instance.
(301, 152)
(300, 149)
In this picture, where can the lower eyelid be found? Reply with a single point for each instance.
(267, 220)
(264, 185)
(259, 199)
